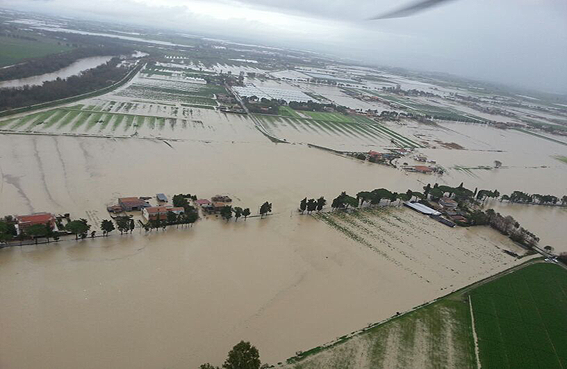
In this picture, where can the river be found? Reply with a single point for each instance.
(75, 68)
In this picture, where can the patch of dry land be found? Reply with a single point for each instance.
(185, 296)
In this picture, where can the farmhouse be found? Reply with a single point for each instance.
(25, 221)
(160, 212)
(220, 201)
(204, 204)
(132, 203)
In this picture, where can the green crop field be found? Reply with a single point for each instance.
(330, 117)
(14, 50)
(521, 319)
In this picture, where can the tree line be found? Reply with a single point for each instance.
(526, 198)
(227, 211)
(90, 80)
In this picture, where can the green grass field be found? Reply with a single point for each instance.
(561, 158)
(14, 50)
(521, 319)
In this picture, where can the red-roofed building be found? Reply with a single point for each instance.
(132, 203)
(25, 221)
(160, 212)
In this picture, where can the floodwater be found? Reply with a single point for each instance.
(74, 69)
(183, 297)
(179, 298)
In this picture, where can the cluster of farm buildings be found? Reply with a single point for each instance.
(160, 211)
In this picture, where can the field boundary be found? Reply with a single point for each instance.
(475, 337)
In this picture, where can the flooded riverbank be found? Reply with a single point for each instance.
(74, 69)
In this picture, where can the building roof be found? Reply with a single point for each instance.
(37, 218)
(202, 202)
(421, 208)
(423, 168)
(447, 200)
(163, 209)
(132, 201)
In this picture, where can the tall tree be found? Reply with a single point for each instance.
(303, 205)
(321, 202)
(78, 227)
(246, 213)
(237, 213)
(311, 205)
(265, 209)
(123, 224)
(243, 356)
(107, 226)
(226, 212)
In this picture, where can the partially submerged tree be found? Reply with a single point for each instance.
(237, 213)
(123, 224)
(265, 209)
(36, 231)
(107, 226)
(78, 227)
(321, 202)
(303, 205)
(226, 212)
(243, 356)
(246, 213)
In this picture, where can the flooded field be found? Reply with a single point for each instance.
(184, 296)
(286, 278)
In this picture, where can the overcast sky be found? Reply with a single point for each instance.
(517, 42)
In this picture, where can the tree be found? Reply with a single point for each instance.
(243, 356)
(303, 205)
(132, 225)
(123, 224)
(192, 217)
(311, 205)
(107, 226)
(36, 231)
(246, 213)
(226, 212)
(171, 217)
(321, 202)
(6, 233)
(78, 227)
(237, 213)
(265, 209)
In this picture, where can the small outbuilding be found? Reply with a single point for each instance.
(161, 197)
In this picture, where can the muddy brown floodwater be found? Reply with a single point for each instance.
(179, 298)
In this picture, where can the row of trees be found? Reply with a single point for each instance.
(312, 205)
(90, 80)
(526, 198)
(227, 211)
